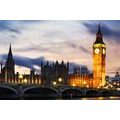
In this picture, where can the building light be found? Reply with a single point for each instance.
(87, 86)
(99, 45)
(106, 87)
(101, 98)
(114, 83)
(118, 89)
(111, 86)
(98, 87)
(25, 81)
(20, 76)
(84, 82)
(73, 85)
(111, 97)
(118, 84)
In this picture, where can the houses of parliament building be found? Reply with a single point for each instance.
(58, 73)
(49, 72)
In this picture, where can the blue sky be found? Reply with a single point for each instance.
(36, 41)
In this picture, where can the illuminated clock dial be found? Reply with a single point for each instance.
(97, 51)
(103, 51)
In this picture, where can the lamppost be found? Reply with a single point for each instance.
(20, 78)
(54, 83)
(60, 80)
(25, 81)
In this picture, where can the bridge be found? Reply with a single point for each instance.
(28, 91)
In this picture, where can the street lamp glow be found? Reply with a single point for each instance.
(60, 79)
(54, 83)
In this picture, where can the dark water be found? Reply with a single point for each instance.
(85, 98)
(59, 98)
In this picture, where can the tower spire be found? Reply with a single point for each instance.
(99, 38)
(10, 52)
(99, 29)
(9, 66)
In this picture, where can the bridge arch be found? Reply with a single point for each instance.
(72, 93)
(9, 88)
(71, 88)
(38, 92)
(106, 93)
(92, 93)
(7, 92)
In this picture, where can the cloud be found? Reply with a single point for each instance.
(32, 63)
(37, 48)
(8, 26)
(79, 47)
(110, 32)
(15, 26)
(25, 61)
(30, 21)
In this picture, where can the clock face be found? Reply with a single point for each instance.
(97, 51)
(103, 51)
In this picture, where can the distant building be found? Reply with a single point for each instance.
(32, 78)
(115, 78)
(8, 71)
(52, 72)
(80, 77)
(82, 70)
(113, 82)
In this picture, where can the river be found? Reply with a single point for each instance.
(101, 98)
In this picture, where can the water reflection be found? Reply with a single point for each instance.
(102, 98)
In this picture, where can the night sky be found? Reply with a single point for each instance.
(36, 41)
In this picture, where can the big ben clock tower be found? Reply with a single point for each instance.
(99, 55)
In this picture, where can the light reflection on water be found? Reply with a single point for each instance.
(102, 98)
